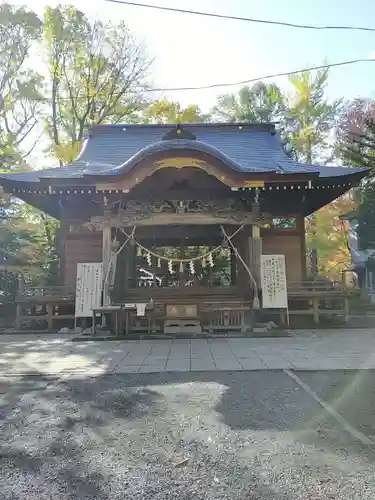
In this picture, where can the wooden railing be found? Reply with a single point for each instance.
(313, 286)
(44, 305)
(46, 293)
(317, 298)
(229, 316)
(222, 312)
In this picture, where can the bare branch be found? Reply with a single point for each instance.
(31, 149)
(102, 73)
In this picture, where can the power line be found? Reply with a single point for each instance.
(265, 77)
(239, 18)
(233, 84)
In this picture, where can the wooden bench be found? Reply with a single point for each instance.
(317, 299)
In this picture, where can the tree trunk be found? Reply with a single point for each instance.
(55, 85)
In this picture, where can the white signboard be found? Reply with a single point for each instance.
(273, 281)
(88, 288)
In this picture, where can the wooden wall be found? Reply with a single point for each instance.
(290, 245)
(85, 247)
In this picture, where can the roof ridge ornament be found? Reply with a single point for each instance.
(178, 132)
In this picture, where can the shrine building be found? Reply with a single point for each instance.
(180, 216)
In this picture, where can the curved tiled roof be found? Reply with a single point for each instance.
(112, 149)
(169, 145)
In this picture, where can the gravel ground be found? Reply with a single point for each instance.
(351, 393)
(241, 435)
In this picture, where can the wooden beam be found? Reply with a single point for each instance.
(106, 256)
(189, 232)
(255, 251)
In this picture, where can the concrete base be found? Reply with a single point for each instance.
(182, 330)
(187, 336)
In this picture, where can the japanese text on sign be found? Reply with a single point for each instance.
(88, 288)
(273, 281)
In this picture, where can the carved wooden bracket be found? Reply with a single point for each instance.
(180, 212)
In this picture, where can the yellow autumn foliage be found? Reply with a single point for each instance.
(331, 237)
(66, 152)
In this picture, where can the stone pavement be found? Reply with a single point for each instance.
(57, 355)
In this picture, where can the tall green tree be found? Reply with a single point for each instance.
(26, 236)
(164, 111)
(97, 74)
(306, 127)
(260, 103)
(310, 117)
(27, 243)
(20, 85)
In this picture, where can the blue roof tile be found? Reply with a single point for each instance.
(111, 149)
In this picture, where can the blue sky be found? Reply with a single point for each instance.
(191, 50)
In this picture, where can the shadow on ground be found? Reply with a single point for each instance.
(217, 435)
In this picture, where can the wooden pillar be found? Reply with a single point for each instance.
(121, 274)
(20, 294)
(106, 257)
(233, 267)
(154, 267)
(316, 316)
(127, 263)
(240, 242)
(255, 251)
(302, 234)
(181, 275)
(60, 241)
(131, 266)
(49, 308)
(346, 308)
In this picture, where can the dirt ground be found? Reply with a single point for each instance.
(208, 435)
